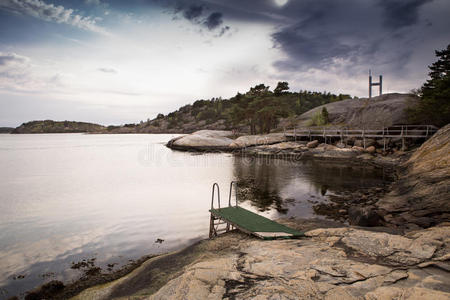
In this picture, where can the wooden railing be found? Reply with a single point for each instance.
(396, 131)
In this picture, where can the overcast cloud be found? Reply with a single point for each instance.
(173, 52)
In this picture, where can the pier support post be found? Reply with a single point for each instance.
(364, 138)
(403, 141)
(211, 227)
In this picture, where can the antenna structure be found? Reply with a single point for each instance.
(371, 84)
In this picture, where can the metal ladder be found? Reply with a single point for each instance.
(214, 222)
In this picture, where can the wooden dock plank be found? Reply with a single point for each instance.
(255, 224)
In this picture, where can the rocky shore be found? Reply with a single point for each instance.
(277, 145)
(337, 262)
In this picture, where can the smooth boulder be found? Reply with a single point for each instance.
(370, 149)
(202, 140)
(256, 140)
(313, 144)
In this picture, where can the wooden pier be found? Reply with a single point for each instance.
(235, 217)
(397, 131)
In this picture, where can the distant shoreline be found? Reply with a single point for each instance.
(6, 129)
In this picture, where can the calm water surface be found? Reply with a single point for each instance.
(68, 197)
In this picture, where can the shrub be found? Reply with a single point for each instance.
(325, 115)
(318, 119)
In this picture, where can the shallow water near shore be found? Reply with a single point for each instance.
(68, 197)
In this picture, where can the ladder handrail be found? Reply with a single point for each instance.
(218, 195)
(236, 193)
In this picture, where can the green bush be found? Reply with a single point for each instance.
(318, 119)
(325, 115)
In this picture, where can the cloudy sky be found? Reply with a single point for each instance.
(114, 62)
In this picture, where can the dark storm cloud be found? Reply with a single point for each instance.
(192, 12)
(400, 13)
(323, 33)
(358, 35)
(213, 21)
(201, 13)
(320, 33)
(306, 50)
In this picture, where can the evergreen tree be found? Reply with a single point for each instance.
(281, 87)
(434, 105)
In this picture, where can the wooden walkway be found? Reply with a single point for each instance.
(398, 131)
(246, 221)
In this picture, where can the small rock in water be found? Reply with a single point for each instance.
(363, 216)
(111, 266)
(358, 143)
(312, 144)
(159, 241)
(371, 149)
(48, 274)
(358, 148)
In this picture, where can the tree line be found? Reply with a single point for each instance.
(259, 109)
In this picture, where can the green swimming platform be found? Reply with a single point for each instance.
(235, 217)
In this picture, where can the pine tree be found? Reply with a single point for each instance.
(434, 106)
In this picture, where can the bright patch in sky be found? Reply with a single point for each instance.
(281, 2)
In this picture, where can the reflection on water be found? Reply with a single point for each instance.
(284, 188)
(68, 197)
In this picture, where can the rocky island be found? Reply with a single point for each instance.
(6, 129)
(50, 126)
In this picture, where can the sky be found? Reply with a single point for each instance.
(117, 62)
